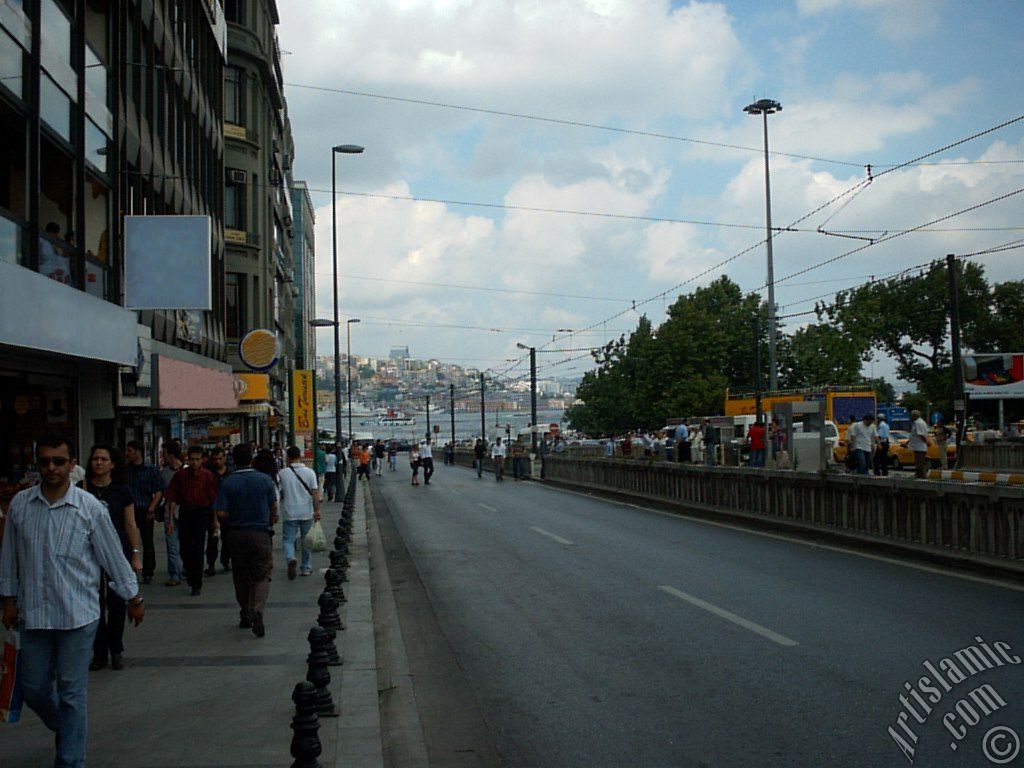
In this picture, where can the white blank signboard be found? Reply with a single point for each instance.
(167, 262)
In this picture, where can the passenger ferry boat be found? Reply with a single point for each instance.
(392, 419)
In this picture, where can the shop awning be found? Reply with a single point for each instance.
(250, 409)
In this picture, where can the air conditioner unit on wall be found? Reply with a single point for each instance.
(235, 176)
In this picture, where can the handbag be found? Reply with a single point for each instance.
(316, 539)
(10, 678)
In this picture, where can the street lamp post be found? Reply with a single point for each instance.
(348, 369)
(325, 323)
(345, 149)
(533, 395)
(765, 107)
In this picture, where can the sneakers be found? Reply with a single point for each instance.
(292, 568)
(172, 583)
(245, 623)
(117, 661)
(306, 573)
(257, 625)
(196, 591)
(211, 571)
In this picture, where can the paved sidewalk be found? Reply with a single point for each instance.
(199, 691)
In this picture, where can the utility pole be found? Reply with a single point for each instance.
(757, 368)
(428, 417)
(483, 411)
(533, 399)
(959, 399)
(451, 403)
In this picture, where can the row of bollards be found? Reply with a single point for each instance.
(313, 697)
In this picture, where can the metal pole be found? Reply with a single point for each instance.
(483, 411)
(757, 368)
(348, 374)
(959, 399)
(337, 326)
(451, 403)
(428, 417)
(533, 399)
(773, 376)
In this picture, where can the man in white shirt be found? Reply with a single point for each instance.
(861, 438)
(426, 461)
(918, 443)
(882, 454)
(300, 505)
(330, 468)
(498, 459)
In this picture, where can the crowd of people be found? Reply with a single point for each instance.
(76, 548)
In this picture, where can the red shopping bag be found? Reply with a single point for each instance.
(10, 679)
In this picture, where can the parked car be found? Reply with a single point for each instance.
(900, 455)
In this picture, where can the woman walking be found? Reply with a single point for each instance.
(104, 479)
(414, 463)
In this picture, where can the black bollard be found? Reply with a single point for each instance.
(334, 585)
(328, 617)
(321, 639)
(319, 676)
(306, 746)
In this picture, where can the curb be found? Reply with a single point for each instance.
(1002, 478)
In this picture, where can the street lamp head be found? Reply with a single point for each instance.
(352, 320)
(321, 322)
(521, 345)
(348, 149)
(763, 107)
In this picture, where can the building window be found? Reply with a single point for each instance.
(12, 72)
(55, 107)
(234, 11)
(234, 206)
(234, 300)
(97, 233)
(56, 33)
(57, 214)
(234, 95)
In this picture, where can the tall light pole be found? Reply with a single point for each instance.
(765, 107)
(533, 395)
(322, 322)
(345, 149)
(348, 368)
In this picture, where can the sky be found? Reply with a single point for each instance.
(621, 108)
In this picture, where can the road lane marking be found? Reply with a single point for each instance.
(489, 509)
(550, 535)
(775, 637)
(682, 515)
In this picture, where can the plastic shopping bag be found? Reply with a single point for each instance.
(10, 678)
(316, 539)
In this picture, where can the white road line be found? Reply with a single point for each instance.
(775, 637)
(550, 535)
(489, 509)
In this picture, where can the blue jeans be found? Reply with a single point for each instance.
(290, 529)
(862, 462)
(173, 553)
(55, 677)
(757, 457)
(709, 455)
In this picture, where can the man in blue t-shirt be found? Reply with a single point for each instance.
(247, 501)
(682, 436)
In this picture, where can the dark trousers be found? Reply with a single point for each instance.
(193, 523)
(252, 557)
(109, 637)
(479, 467)
(882, 458)
(329, 485)
(428, 469)
(683, 452)
(212, 542)
(146, 535)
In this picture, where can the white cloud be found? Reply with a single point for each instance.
(897, 20)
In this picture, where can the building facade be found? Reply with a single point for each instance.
(262, 287)
(107, 109)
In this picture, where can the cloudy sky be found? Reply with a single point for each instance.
(861, 82)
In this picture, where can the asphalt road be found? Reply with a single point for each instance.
(590, 633)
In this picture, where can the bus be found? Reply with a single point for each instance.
(842, 404)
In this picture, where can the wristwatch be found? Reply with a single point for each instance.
(136, 551)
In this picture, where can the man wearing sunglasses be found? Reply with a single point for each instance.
(57, 540)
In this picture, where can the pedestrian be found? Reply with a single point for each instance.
(414, 463)
(862, 439)
(777, 437)
(300, 508)
(147, 492)
(498, 460)
(171, 456)
(379, 452)
(627, 446)
(517, 451)
(918, 443)
(756, 441)
(330, 468)
(342, 454)
(104, 479)
(427, 460)
(247, 501)
(710, 438)
(479, 451)
(682, 438)
(881, 463)
(218, 466)
(191, 494)
(393, 455)
(696, 443)
(609, 447)
(544, 449)
(941, 441)
(58, 540)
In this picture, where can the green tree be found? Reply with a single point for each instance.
(819, 355)
(1000, 328)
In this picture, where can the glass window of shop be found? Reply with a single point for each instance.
(97, 233)
(96, 146)
(57, 252)
(55, 107)
(56, 33)
(234, 95)
(12, 65)
(13, 184)
(234, 291)
(31, 406)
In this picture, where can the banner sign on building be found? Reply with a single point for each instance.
(167, 262)
(302, 400)
(994, 377)
(252, 386)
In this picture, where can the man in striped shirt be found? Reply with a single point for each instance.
(57, 540)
